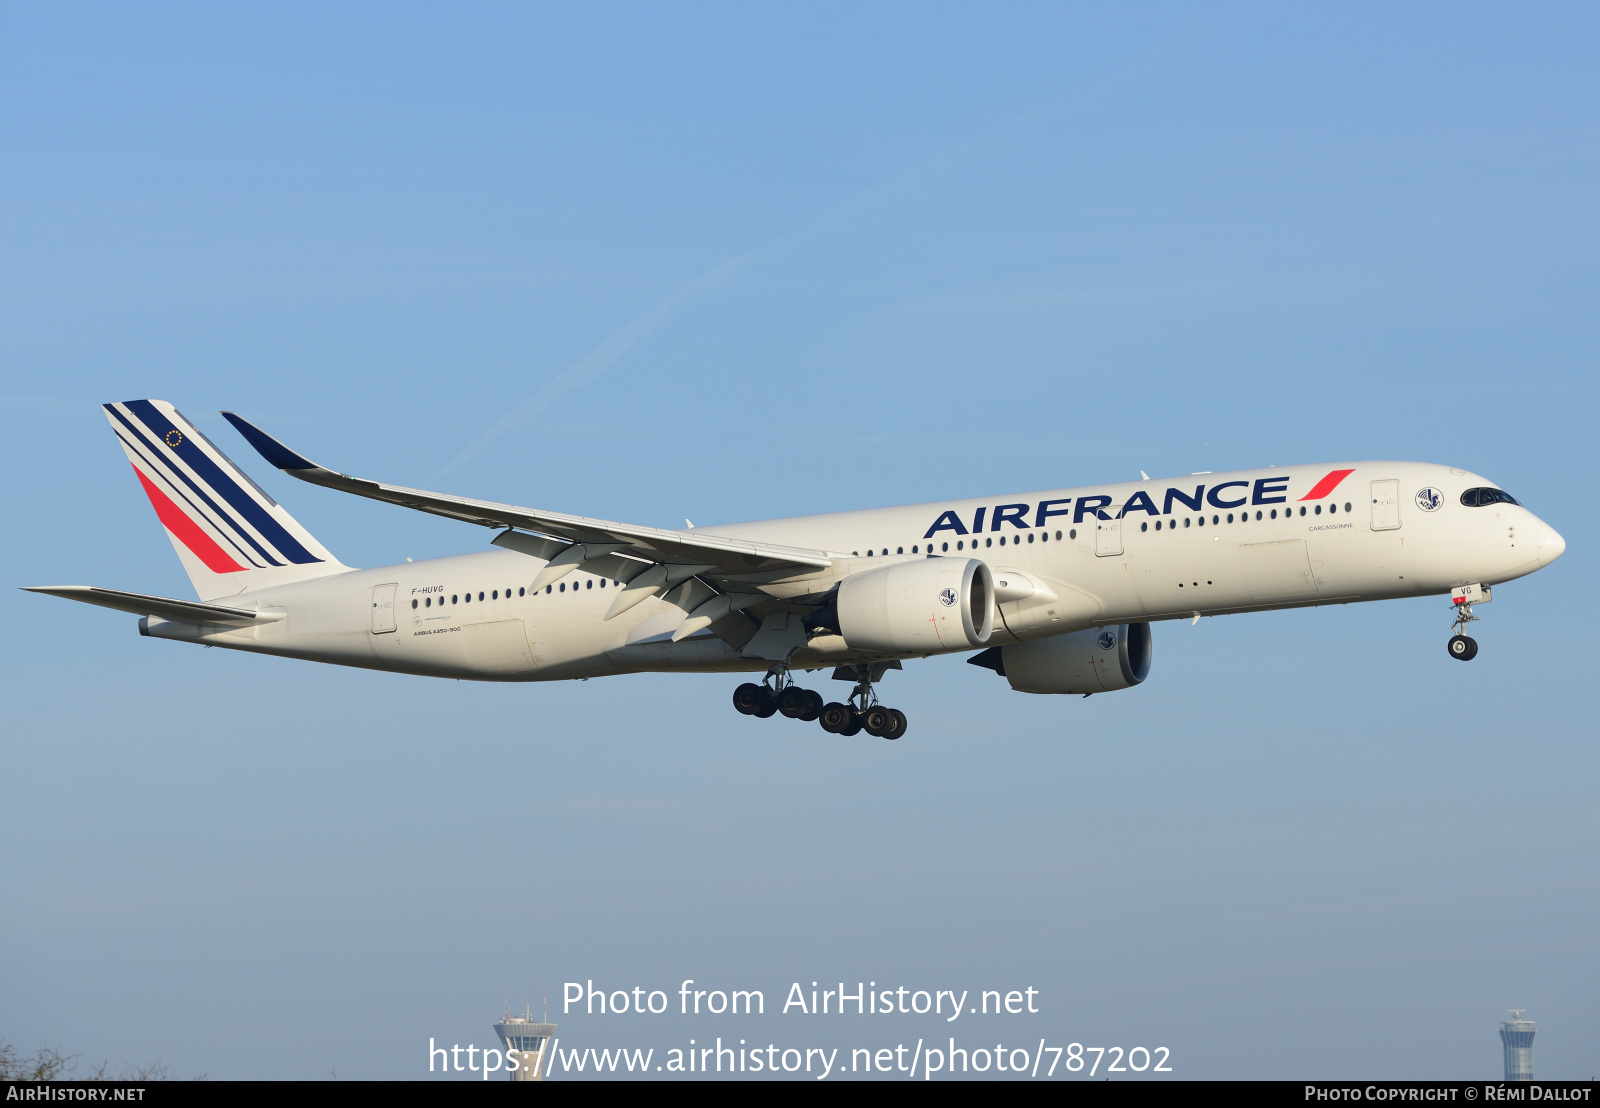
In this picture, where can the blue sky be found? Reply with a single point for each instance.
(729, 263)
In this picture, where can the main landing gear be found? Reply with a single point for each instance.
(861, 712)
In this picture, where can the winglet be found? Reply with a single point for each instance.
(267, 446)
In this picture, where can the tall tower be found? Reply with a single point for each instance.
(530, 1038)
(1517, 1035)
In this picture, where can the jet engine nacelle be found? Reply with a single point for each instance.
(1100, 659)
(923, 607)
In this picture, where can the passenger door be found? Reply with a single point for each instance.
(1108, 536)
(1386, 505)
(383, 609)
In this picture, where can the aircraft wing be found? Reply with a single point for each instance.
(164, 607)
(713, 554)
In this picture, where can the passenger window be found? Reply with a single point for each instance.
(960, 545)
(1030, 536)
(1230, 517)
(1144, 527)
(1302, 509)
(522, 592)
(988, 542)
(1347, 505)
(563, 586)
(1072, 534)
(1258, 514)
(886, 551)
(549, 588)
(1158, 525)
(1186, 521)
(495, 595)
(1058, 536)
(1002, 540)
(944, 546)
(413, 602)
(900, 550)
(1215, 520)
(589, 584)
(1274, 513)
(1318, 512)
(452, 598)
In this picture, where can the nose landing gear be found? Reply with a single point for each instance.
(1461, 645)
(861, 712)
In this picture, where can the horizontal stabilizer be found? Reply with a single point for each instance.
(140, 605)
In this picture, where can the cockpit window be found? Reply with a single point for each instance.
(1482, 498)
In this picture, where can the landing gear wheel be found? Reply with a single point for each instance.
(768, 705)
(876, 721)
(897, 724)
(747, 698)
(854, 726)
(813, 707)
(794, 701)
(1463, 647)
(835, 718)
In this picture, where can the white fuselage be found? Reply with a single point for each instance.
(1099, 555)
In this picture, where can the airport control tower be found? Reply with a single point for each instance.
(530, 1038)
(1517, 1034)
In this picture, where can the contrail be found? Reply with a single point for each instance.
(606, 354)
(603, 356)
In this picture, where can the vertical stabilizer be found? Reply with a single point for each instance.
(230, 535)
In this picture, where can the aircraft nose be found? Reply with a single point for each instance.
(1551, 544)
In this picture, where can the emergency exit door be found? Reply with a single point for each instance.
(1386, 505)
(383, 609)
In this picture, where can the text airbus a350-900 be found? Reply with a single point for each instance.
(1056, 590)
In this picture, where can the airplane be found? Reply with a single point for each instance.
(1055, 591)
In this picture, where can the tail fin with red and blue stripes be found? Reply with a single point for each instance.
(230, 535)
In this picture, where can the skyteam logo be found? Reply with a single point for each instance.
(1108, 640)
(947, 597)
(1429, 499)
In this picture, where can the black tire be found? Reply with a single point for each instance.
(835, 718)
(876, 721)
(747, 698)
(898, 726)
(813, 707)
(793, 702)
(1473, 651)
(854, 727)
(768, 705)
(1463, 648)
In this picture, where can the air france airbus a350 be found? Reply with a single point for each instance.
(1057, 590)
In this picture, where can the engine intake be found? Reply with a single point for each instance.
(1099, 659)
(924, 607)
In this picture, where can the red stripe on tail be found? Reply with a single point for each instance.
(1327, 484)
(189, 533)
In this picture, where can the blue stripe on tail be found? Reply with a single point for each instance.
(221, 483)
